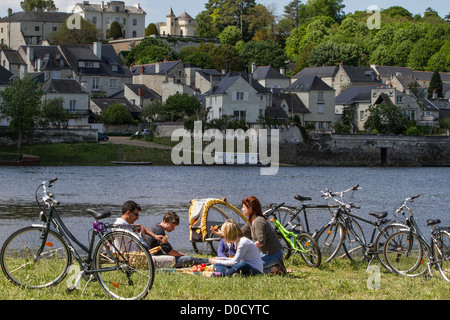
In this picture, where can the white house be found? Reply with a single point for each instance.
(183, 25)
(130, 18)
(239, 96)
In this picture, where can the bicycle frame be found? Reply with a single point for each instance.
(303, 208)
(296, 245)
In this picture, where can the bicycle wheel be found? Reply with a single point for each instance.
(383, 234)
(354, 241)
(330, 239)
(23, 268)
(126, 270)
(403, 253)
(309, 250)
(443, 253)
(284, 215)
(287, 250)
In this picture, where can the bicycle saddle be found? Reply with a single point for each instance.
(431, 222)
(301, 198)
(378, 215)
(99, 214)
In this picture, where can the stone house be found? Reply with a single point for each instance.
(12, 61)
(130, 18)
(318, 97)
(239, 96)
(358, 99)
(29, 28)
(155, 74)
(269, 77)
(97, 105)
(183, 25)
(75, 99)
(96, 67)
(140, 95)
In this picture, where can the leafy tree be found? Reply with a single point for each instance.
(115, 31)
(420, 55)
(230, 35)
(153, 111)
(205, 26)
(151, 30)
(291, 12)
(435, 84)
(179, 105)
(386, 119)
(264, 53)
(53, 113)
(21, 103)
(117, 114)
(38, 5)
(150, 50)
(226, 57)
(87, 34)
(331, 53)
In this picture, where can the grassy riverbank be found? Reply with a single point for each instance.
(95, 154)
(339, 280)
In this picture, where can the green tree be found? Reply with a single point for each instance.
(230, 35)
(151, 30)
(117, 114)
(264, 53)
(205, 26)
(180, 105)
(150, 50)
(53, 113)
(386, 119)
(87, 34)
(435, 85)
(21, 103)
(38, 5)
(420, 55)
(153, 111)
(115, 31)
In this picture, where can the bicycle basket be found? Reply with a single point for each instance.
(205, 213)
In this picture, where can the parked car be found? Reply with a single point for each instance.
(102, 137)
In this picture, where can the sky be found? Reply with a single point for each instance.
(157, 10)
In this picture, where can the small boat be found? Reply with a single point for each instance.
(128, 163)
(26, 160)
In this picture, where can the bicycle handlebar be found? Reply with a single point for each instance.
(328, 194)
(48, 197)
(277, 206)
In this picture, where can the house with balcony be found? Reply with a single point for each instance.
(130, 18)
(318, 97)
(96, 67)
(75, 99)
(239, 96)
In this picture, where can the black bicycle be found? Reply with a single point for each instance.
(41, 255)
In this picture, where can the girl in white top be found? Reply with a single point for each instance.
(247, 260)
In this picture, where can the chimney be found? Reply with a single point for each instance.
(253, 67)
(140, 92)
(9, 12)
(141, 69)
(30, 53)
(157, 67)
(97, 49)
(434, 94)
(283, 70)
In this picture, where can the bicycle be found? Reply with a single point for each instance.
(344, 231)
(41, 255)
(302, 243)
(404, 250)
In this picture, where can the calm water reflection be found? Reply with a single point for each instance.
(158, 189)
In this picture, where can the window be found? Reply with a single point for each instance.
(134, 22)
(112, 83)
(55, 28)
(117, 9)
(95, 83)
(361, 115)
(320, 96)
(411, 114)
(72, 106)
(124, 21)
(107, 20)
(114, 67)
(239, 96)
(320, 108)
(399, 99)
(36, 28)
(134, 34)
(94, 20)
(240, 115)
(117, 19)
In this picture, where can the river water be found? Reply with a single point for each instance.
(158, 189)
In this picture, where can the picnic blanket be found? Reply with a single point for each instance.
(207, 272)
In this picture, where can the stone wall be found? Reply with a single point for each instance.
(367, 150)
(47, 136)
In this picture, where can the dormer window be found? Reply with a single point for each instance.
(115, 67)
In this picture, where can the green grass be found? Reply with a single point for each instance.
(95, 154)
(339, 280)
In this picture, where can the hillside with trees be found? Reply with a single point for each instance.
(316, 33)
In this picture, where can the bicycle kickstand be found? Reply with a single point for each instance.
(91, 277)
(368, 266)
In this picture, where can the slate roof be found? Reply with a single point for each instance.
(355, 94)
(50, 55)
(109, 8)
(62, 86)
(164, 67)
(308, 83)
(147, 92)
(295, 104)
(267, 72)
(5, 76)
(75, 53)
(429, 104)
(13, 57)
(206, 73)
(104, 103)
(361, 74)
(324, 71)
(227, 82)
(36, 16)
